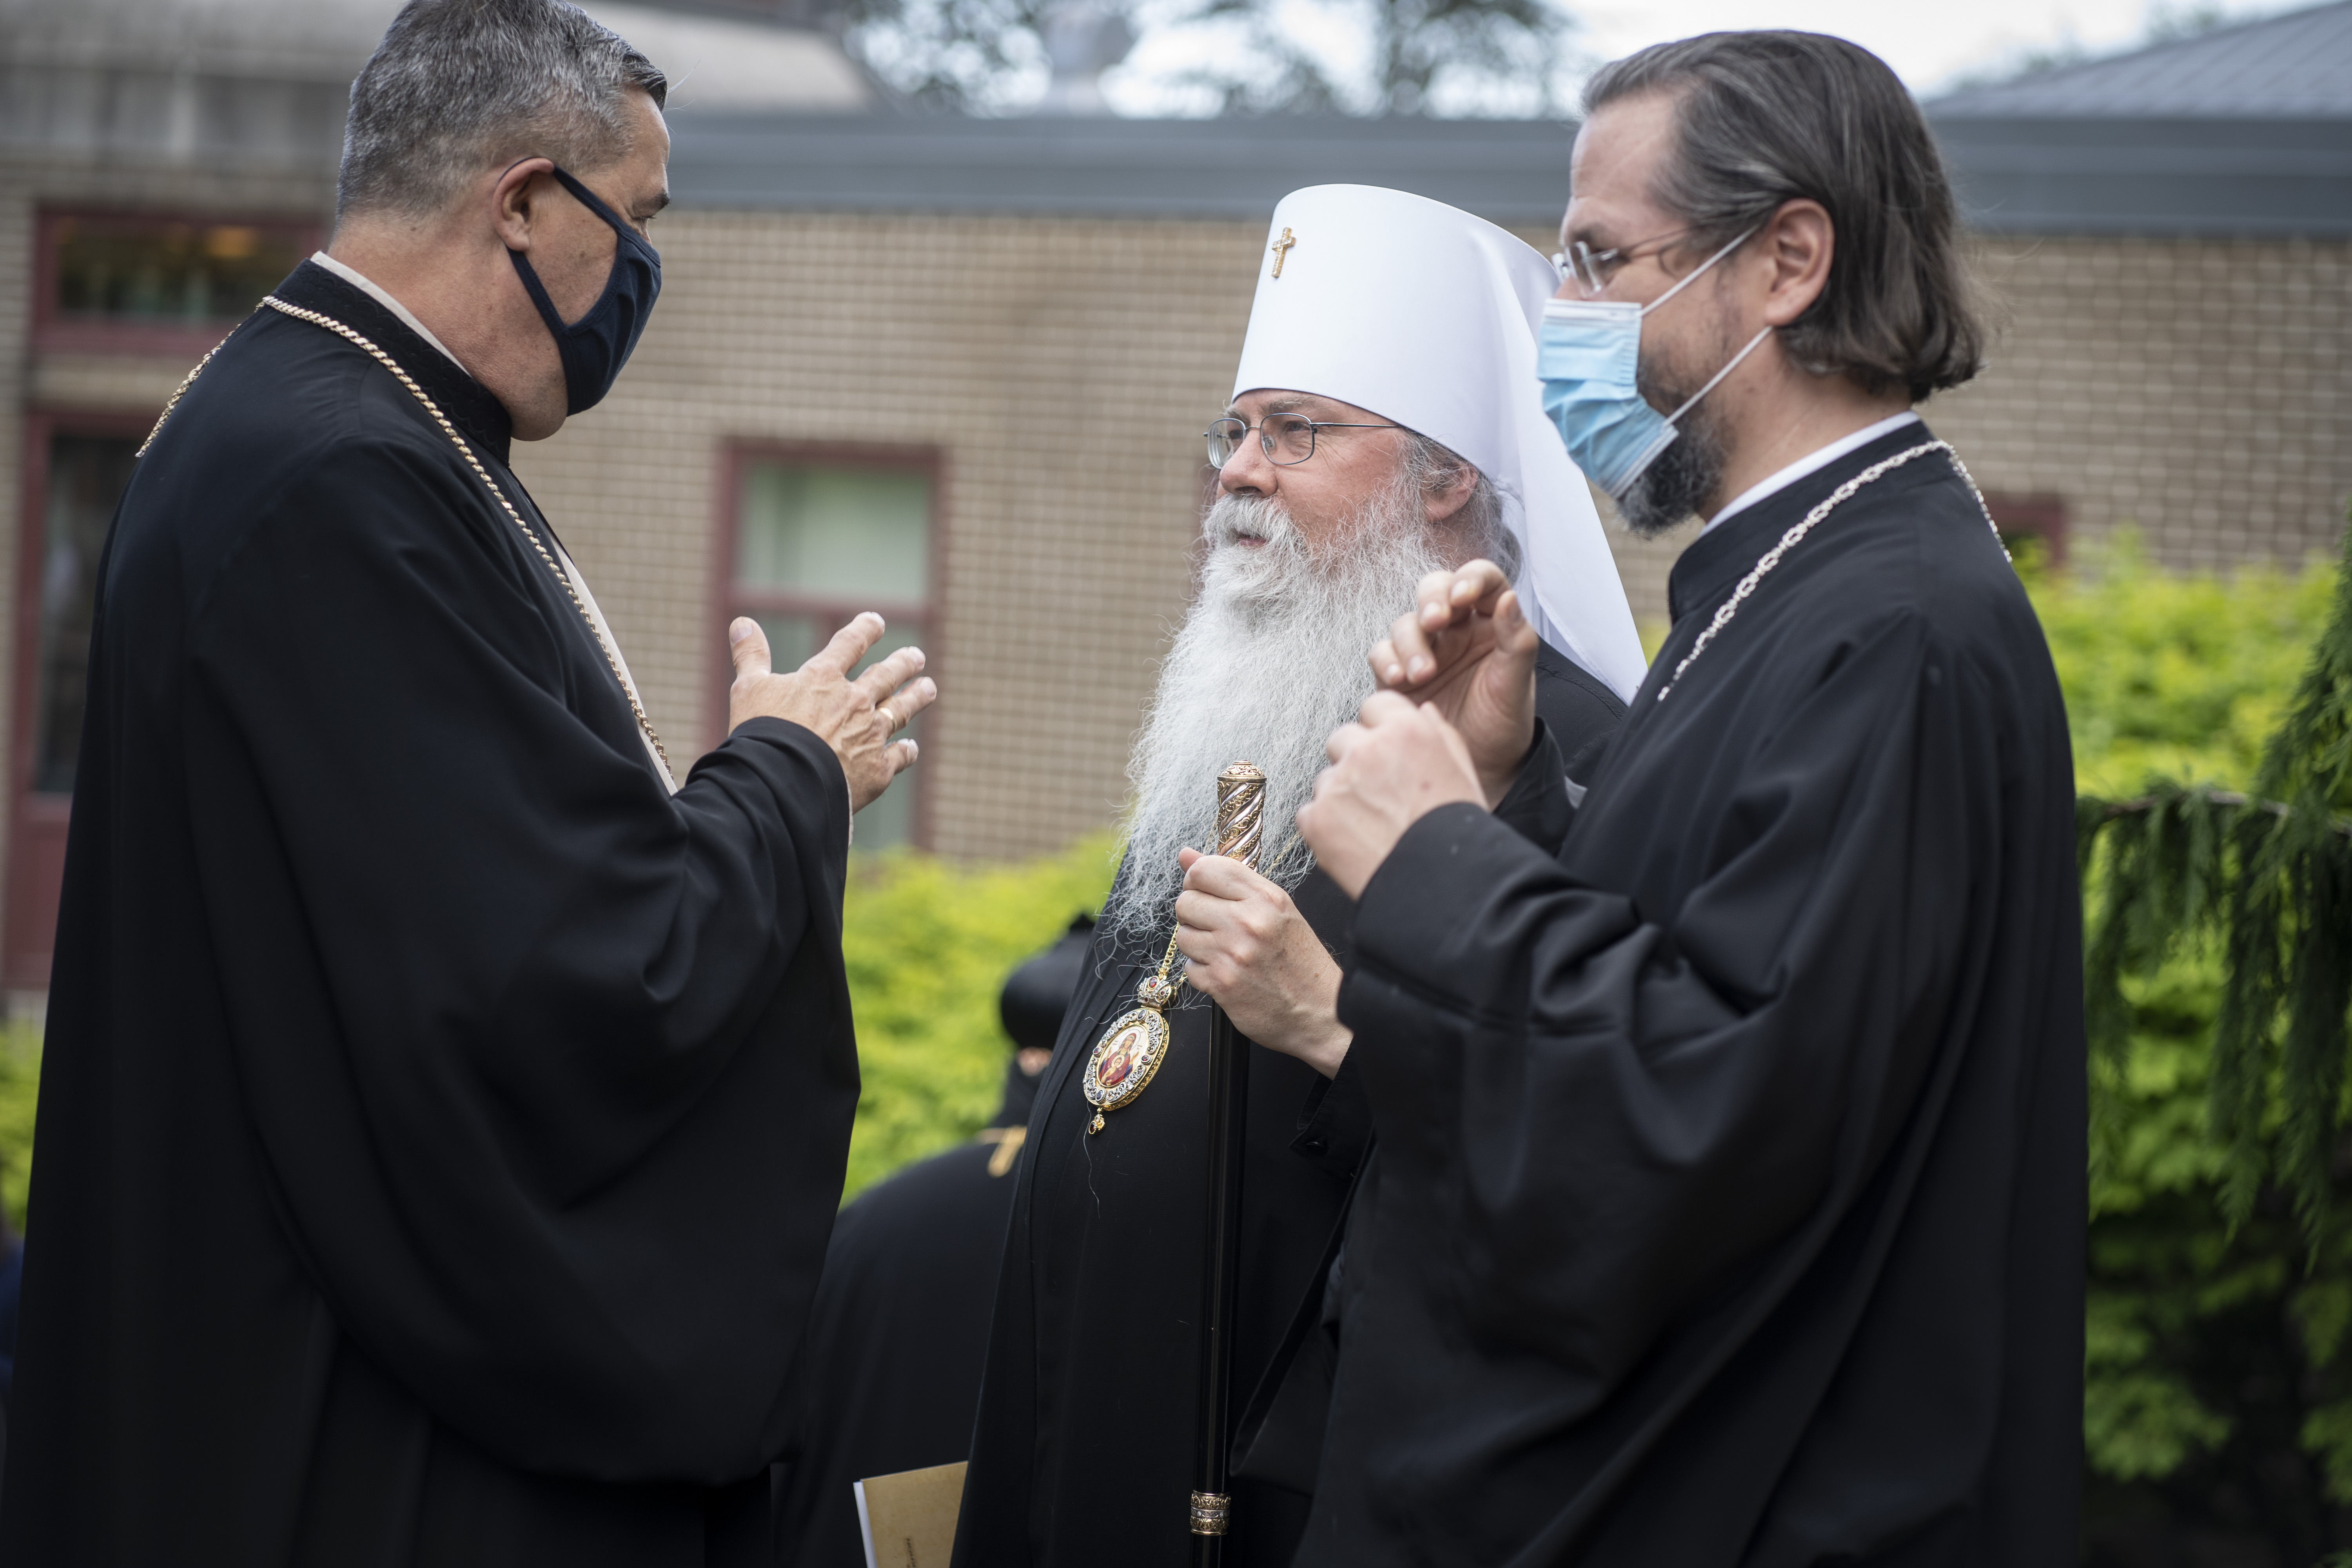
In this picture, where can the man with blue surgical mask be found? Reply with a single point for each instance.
(446, 1097)
(1727, 1203)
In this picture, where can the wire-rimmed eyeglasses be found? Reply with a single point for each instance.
(1285, 439)
(1592, 270)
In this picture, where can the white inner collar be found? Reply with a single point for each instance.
(362, 281)
(1821, 459)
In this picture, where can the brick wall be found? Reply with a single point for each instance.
(1064, 368)
(2196, 390)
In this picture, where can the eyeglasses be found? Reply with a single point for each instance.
(1285, 439)
(1592, 270)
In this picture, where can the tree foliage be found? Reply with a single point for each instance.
(2266, 879)
(1255, 56)
(2217, 1372)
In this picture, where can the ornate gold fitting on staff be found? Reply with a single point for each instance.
(1130, 1051)
(1211, 1511)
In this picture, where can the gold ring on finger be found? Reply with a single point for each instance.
(890, 718)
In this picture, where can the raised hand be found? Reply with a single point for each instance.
(1390, 768)
(855, 718)
(1466, 650)
(1247, 947)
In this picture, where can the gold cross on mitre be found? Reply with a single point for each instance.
(1281, 248)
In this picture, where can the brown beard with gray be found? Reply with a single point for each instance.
(1679, 479)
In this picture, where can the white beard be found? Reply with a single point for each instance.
(1271, 659)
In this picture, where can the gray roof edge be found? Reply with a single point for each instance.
(2155, 175)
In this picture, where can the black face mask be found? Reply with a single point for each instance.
(595, 347)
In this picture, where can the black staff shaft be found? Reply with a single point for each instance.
(1241, 802)
(1220, 1274)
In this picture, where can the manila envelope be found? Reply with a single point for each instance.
(910, 1518)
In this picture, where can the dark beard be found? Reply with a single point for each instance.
(1680, 479)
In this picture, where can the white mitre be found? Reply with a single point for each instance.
(1427, 316)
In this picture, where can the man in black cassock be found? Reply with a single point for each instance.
(442, 1120)
(1337, 496)
(1728, 1202)
(898, 1333)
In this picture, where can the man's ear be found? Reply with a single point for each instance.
(513, 198)
(1440, 504)
(1799, 241)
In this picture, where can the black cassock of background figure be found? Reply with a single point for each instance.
(899, 1330)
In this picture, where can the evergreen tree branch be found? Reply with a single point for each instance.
(2267, 874)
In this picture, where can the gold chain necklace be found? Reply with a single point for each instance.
(465, 450)
(1838, 497)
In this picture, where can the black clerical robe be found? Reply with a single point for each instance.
(898, 1333)
(1729, 1200)
(1083, 1452)
(441, 1123)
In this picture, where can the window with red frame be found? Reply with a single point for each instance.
(2032, 523)
(819, 539)
(106, 277)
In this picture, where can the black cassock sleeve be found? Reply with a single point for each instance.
(1592, 1119)
(555, 1098)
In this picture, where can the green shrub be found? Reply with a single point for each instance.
(2181, 676)
(928, 945)
(2215, 1405)
(20, 1086)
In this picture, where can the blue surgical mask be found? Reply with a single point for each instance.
(595, 347)
(1589, 355)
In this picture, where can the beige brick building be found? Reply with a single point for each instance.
(958, 369)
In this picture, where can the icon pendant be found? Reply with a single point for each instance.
(1128, 1053)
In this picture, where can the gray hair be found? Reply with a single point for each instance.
(457, 87)
(1429, 468)
(1766, 118)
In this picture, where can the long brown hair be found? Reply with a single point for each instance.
(1765, 118)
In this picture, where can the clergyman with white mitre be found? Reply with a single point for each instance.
(1381, 428)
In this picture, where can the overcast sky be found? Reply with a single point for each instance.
(1931, 46)
(1927, 45)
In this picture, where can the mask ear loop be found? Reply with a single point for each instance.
(1719, 376)
(1692, 400)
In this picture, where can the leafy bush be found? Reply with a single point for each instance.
(2182, 677)
(928, 945)
(2216, 1425)
(20, 1086)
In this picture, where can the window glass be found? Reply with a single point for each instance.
(836, 534)
(154, 272)
(85, 476)
(815, 544)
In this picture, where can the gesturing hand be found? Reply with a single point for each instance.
(1466, 650)
(1247, 947)
(855, 718)
(1393, 766)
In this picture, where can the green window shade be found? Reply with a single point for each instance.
(814, 545)
(835, 535)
